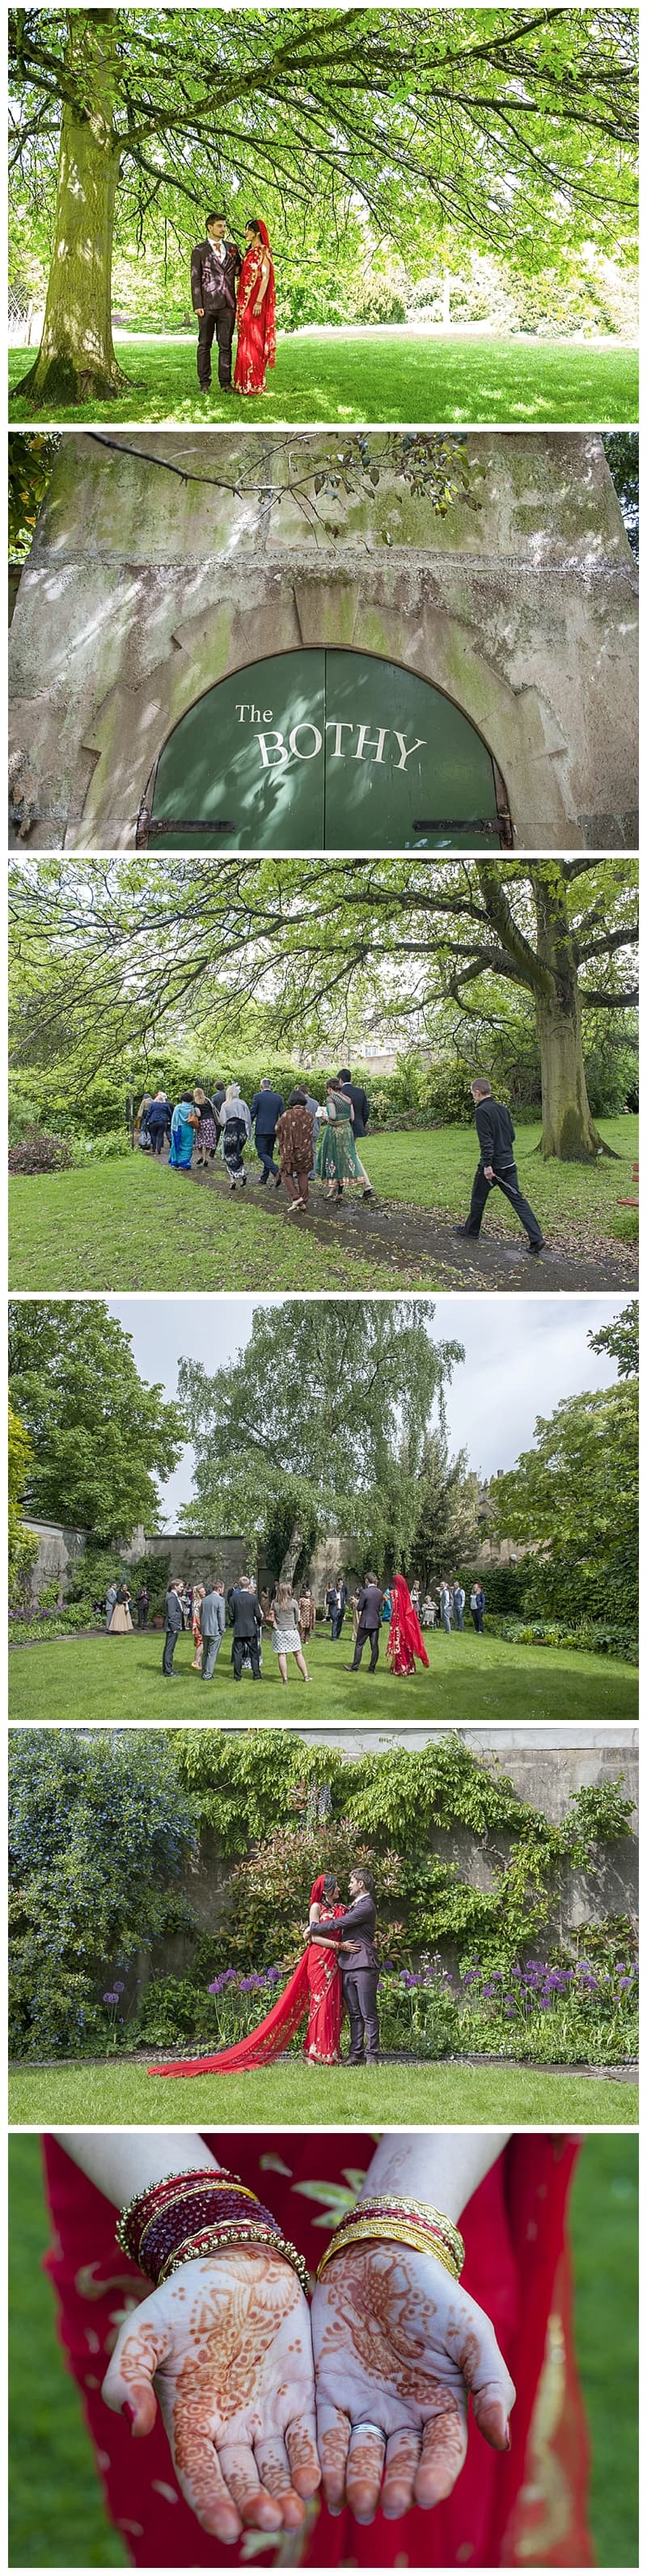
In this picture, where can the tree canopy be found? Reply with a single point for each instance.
(511, 126)
(322, 1417)
(97, 1436)
(103, 954)
(576, 1490)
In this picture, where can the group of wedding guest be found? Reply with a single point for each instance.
(314, 1139)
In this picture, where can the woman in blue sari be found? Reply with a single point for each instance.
(184, 1122)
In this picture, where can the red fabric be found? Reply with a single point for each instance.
(524, 2508)
(405, 1639)
(314, 1988)
(256, 349)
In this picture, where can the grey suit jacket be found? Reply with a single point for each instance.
(173, 1611)
(212, 1615)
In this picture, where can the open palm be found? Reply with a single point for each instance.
(225, 2347)
(399, 2348)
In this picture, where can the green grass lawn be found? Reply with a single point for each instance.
(109, 2093)
(136, 1225)
(133, 1224)
(575, 1202)
(58, 2518)
(373, 375)
(471, 1681)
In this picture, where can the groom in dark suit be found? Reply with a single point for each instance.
(359, 1969)
(215, 269)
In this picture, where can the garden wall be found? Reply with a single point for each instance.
(546, 1778)
(140, 593)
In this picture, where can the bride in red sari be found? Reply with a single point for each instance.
(314, 1988)
(405, 1639)
(256, 309)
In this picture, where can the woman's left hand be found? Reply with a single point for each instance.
(258, 308)
(399, 2348)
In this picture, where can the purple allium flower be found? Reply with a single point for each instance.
(119, 1989)
(111, 1999)
(274, 1976)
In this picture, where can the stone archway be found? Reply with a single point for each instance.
(324, 748)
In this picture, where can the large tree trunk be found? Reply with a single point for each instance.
(76, 361)
(292, 1552)
(568, 1128)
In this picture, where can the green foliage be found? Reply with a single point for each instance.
(620, 1340)
(99, 1830)
(447, 1522)
(99, 1436)
(584, 1636)
(388, 1812)
(576, 1491)
(22, 1545)
(292, 1428)
(428, 942)
(335, 96)
(30, 464)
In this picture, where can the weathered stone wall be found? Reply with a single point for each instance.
(141, 592)
(58, 1549)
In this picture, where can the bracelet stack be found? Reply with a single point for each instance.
(387, 2218)
(204, 2212)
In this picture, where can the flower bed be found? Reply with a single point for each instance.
(575, 2014)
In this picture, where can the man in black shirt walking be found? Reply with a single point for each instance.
(497, 1166)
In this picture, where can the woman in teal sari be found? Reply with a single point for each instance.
(185, 1120)
(337, 1158)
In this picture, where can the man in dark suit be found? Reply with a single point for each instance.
(359, 1969)
(212, 1627)
(369, 1607)
(267, 1105)
(340, 1613)
(495, 1133)
(215, 269)
(173, 1624)
(361, 1106)
(246, 1615)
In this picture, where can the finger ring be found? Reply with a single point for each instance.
(365, 2427)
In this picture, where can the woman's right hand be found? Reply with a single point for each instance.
(225, 2347)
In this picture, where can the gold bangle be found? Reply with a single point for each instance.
(393, 2201)
(390, 2231)
(220, 2243)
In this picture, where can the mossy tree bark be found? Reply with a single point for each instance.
(76, 361)
(568, 1128)
(292, 1552)
(550, 972)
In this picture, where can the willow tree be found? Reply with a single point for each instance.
(314, 1419)
(115, 955)
(514, 128)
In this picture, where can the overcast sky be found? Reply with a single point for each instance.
(521, 1356)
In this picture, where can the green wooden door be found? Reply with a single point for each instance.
(324, 750)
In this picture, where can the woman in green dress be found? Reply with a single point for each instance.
(337, 1158)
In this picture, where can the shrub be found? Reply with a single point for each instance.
(99, 1831)
(40, 1153)
(103, 1148)
(590, 1637)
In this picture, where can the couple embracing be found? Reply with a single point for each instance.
(226, 291)
(339, 1969)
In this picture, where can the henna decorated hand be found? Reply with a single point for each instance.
(398, 2348)
(225, 2346)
